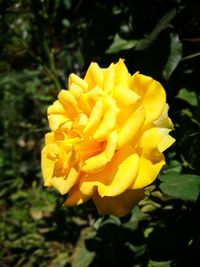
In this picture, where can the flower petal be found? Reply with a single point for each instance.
(119, 205)
(109, 120)
(98, 162)
(150, 139)
(84, 104)
(109, 79)
(164, 121)
(68, 100)
(140, 83)
(76, 197)
(122, 75)
(95, 116)
(76, 90)
(148, 171)
(154, 101)
(64, 184)
(166, 142)
(73, 78)
(125, 96)
(47, 163)
(123, 178)
(94, 94)
(155, 139)
(56, 108)
(94, 76)
(153, 95)
(49, 138)
(56, 120)
(131, 127)
(117, 176)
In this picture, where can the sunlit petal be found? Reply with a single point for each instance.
(64, 184)
(131, 127)
(94, 75)
(122, 75)
(125, 96)
(109, 80)
(148, 171)
(116, 177)
(98, 162)
(109, 120)
(73, 78)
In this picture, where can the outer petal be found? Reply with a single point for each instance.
(150, 140)
(64, 184)
(76, 197)
(119, 205)
(56, 108)
(155, 139)
(122, 75)
(165, 125)
(69, 101)
(94, 76)
(148, 171)
(73, 78)
(109, 80)
(140, 83)
(164, 121)
(49, 138)
(118, 175)
(152, 93)
(56, 121)
(166, 142)
(48, 163)
(154, 101)
(131, 127)
(124, 177)
(57, 115)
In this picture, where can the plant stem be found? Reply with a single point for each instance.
(52, 67)
(191, 56)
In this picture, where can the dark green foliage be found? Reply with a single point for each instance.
(181, 186)
(41, 42)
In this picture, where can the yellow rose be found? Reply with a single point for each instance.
(108, 134)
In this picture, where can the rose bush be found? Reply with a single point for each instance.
(108, 134)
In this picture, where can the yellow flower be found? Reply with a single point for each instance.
(108, 134)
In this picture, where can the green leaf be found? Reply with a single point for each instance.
(189, 96)
(136, 217)
(173, 166)
(137, 250)
(175, 56)
(82, 257)
(61, 260)
(182, 186)
(67, 4)
(66, 23)
(120, 44)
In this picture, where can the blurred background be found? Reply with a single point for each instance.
(41, 43)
